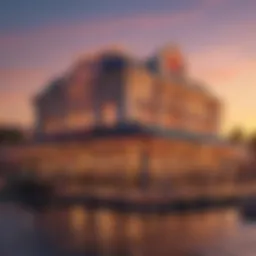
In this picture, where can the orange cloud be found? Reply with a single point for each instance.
(231, 76)
(22, 80)
(17, 86)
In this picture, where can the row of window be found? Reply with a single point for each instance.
(177, 106)
(85, 119)
(145, 113)
(177, 110)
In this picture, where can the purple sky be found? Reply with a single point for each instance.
(39, 39)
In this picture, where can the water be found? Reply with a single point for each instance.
(77, 231)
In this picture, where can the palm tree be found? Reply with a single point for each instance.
(10, 135)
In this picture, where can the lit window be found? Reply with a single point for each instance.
(52, 125)
(109, 114)
(146, 111)
(79, 120)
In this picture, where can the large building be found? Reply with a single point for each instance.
(113, 114)
(112, 88)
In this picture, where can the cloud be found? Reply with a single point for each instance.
(60, 42)
(22, 80)
(15, 108)
(212, 3)
(17, 87)
(231, 75)
(101, 27)
(64, 39)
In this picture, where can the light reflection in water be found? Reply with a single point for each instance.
(105, 226)
(134, 234)
(108, 233)
(78, 219)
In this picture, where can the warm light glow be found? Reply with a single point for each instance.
(109, 114)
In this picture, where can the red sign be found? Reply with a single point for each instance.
(173, 64)
(173, 60)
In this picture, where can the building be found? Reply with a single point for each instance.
(113, 114)
(112, 88)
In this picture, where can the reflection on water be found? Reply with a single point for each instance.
(104, 232)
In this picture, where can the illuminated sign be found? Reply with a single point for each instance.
(174, 63)
(172, 59)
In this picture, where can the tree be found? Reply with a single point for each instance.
(10, 135)
(252, 142)
(236, 135)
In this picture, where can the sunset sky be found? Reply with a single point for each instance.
(40, 39)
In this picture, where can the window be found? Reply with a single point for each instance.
(109, 114)
(211, 116)
(79, 120)
(146, 111)
(76, 91)
(52, 125)
(176, 110)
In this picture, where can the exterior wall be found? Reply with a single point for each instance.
(94, 94)
(171, 105)
(108, 101)
(197, 111)
(67, 103)
(79, 97)
(91, 96)
(161, 102)
(180, 157)
(123, 157)
(140, 92)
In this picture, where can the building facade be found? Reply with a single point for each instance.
(112, 88)
(113, 114)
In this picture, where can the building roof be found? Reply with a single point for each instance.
(52, 85)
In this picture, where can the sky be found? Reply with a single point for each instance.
(40, 39)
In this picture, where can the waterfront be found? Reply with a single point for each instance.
(78, 231)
